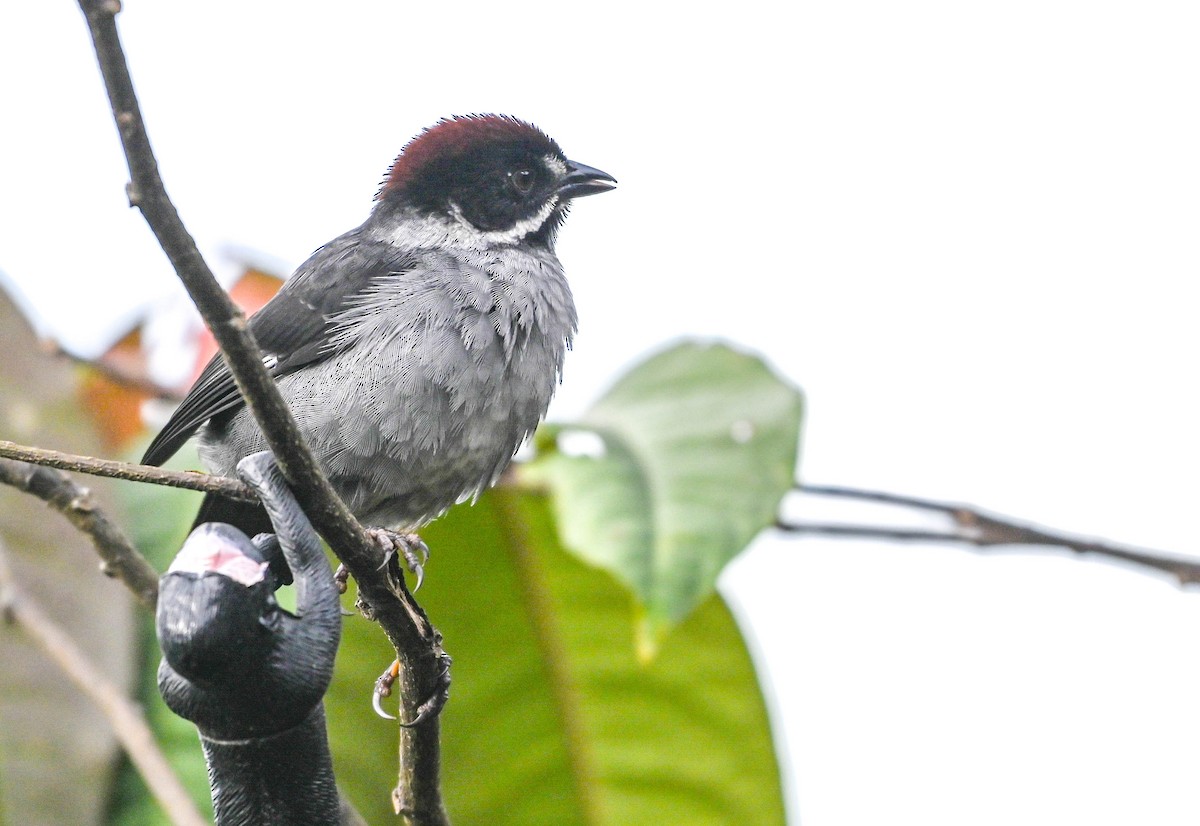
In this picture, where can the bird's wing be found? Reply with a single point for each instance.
(292, 330)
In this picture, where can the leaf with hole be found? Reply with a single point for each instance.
(672, 473)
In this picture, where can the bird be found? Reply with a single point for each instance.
(419, 350)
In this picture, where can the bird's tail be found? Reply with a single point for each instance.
(248, 517)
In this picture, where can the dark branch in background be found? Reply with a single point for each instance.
(187, 479)
(126, 719)
(971, 526)
(380, 586)
(120, 558)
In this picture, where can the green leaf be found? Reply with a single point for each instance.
(552, 718)
(698, 445)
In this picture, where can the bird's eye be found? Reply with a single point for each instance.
(521, 179)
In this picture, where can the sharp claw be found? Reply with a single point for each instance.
(383, 688)
(377, 704)
(409, 546)
(420, 718)
(433, 704)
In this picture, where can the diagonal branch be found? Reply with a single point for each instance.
(387, 596)
(125, 717)
(187, 479)
(120, 558)
(972, 526)
(228, 324)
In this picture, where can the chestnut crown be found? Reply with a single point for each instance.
(495, 171)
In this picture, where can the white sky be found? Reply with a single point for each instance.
(969, 230)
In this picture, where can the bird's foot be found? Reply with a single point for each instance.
(383, 688)
(433, 704)
(408, 546)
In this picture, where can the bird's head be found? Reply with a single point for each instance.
(492, 179)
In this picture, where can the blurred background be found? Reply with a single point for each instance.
(967, 230)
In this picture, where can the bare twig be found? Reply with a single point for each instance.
(119, 557)
(388, 598)
(126, 719)
(971, 526)
(187, 479)
(228, 324)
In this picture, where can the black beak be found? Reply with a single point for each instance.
(584, 180)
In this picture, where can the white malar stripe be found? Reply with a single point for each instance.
(454, 231)
(500, 237)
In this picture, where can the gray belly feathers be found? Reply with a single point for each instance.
(464, 356)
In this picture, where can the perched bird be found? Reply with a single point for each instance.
(419, 350)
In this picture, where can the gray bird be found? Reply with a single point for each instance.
(419, 350)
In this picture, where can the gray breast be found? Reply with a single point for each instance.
(435, 378)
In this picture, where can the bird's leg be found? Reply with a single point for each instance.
(409, 546)
(415, 553)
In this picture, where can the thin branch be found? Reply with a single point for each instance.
(187, 479)
(881, 497)
(125, 717)
(851, 531)
(978, 528)
(119, 557)
(387, 596)
(228, 324)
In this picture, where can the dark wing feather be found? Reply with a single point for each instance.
(291, 329)
(214, 392)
